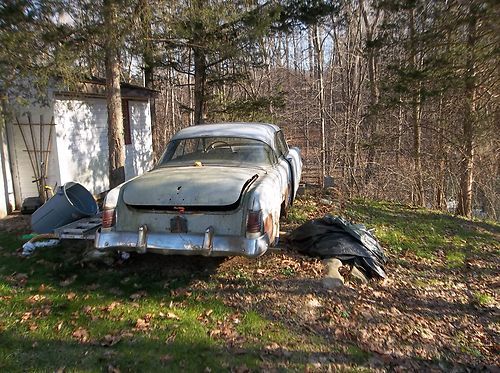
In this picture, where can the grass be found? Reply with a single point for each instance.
(483, 299)
(424, 233)
(288, 271)
(405, 230)
(56, 311)
(302, 211)
(466, 344)
(455, 259)
(358, 355)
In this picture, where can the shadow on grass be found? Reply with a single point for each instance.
(165, 278)
(62, 268)
(140, 353)
(136, 353)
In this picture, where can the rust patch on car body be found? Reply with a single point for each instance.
(269, 227)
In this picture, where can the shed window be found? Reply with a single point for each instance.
(126, 122)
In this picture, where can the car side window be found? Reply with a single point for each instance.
(281, 144)
(279, 150)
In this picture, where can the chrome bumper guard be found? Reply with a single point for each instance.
(207, 244)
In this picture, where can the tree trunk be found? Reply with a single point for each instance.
(149, 67)
(200, 71)
(321, 97)
(415, 118)
(200, 66)
(465, 199)
(443, 153)
(372, 117)
(116, 140)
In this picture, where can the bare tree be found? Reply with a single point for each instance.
(116, 142)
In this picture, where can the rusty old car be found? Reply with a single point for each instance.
(218, 190)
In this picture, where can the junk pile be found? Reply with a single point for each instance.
(334, 237)
(71, 213)
(39, 241)
(70, 203)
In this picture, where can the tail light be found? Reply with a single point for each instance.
(108, 218)
(254, 221)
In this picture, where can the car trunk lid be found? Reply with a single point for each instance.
(206, 187)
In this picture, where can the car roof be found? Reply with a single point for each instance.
(258, 131)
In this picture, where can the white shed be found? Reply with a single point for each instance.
(76, 123)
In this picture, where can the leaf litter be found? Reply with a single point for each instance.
(425, 316)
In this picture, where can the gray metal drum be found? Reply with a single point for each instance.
(71, 202)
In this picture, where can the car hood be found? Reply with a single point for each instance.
(207, 186)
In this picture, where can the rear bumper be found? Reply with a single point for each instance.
(207, 244)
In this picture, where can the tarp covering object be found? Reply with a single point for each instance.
(334, 237)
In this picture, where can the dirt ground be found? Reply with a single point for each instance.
(16, 223)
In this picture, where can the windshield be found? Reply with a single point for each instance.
(217, 150)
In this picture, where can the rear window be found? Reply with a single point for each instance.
(217, 150)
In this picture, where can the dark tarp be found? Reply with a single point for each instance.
(334, 237)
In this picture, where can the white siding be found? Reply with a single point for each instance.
(82, 142)
(3, 180)
(139, 154)
(83, 145)
(3, 200)
(79, 146)
(23, 173)
(7, 202)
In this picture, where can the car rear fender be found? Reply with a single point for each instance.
(266, 197)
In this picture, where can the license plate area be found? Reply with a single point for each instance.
(178, 224)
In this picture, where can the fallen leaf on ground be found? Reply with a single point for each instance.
(110, 307)
(81, 334)
(110, 340)
(166, 358)
(171, 337)
(171, 315)
(141, 324)
(241, 369)
(36, 298)
(68, 281)
(59, 326)
(113, 369)
(138, 295)
(71, 296)
(18, 279)
(26, 316)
